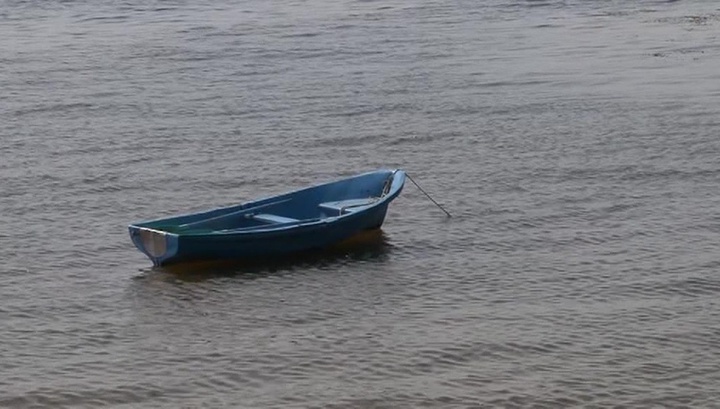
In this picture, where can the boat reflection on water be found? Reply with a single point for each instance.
(371, 245)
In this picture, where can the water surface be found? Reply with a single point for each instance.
(575, 143)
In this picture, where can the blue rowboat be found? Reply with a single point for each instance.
(306, 219)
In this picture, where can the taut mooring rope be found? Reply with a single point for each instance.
(428, 196)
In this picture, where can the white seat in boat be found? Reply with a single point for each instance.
(343, 206)
(273, 218)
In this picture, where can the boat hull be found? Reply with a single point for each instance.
(164, 246)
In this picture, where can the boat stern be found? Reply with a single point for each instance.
(158, 245)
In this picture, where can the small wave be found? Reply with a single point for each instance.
(105, 19)
(53, 108)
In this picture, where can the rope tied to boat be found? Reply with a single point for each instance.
(428, 196)
(388, 183)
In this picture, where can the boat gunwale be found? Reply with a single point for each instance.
(284, 227)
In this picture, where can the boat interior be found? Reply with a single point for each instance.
(334, 199)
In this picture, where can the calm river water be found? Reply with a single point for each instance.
(577, 144)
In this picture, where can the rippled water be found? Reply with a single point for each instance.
(575, 142)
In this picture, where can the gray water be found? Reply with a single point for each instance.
(575, 142)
